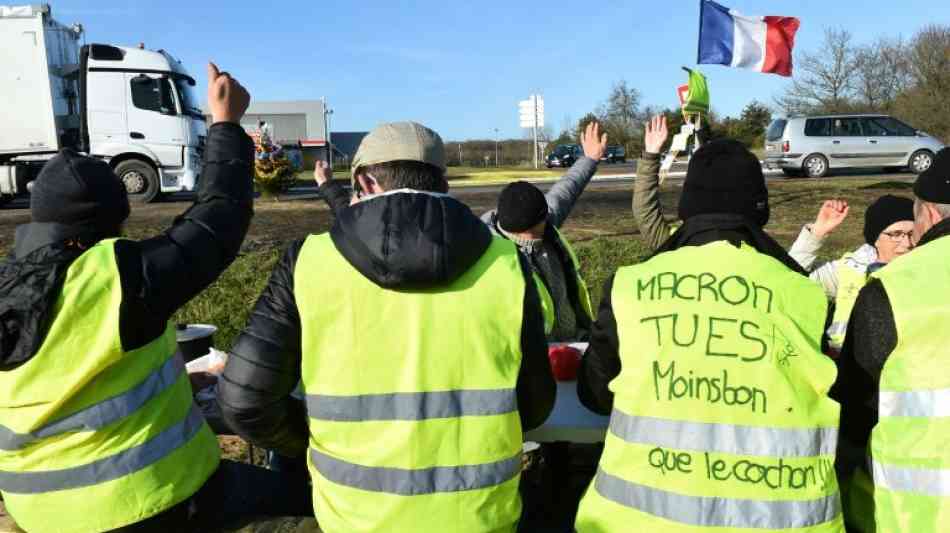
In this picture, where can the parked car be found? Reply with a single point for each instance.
(615, 154)
(564, 155)
(813, 146)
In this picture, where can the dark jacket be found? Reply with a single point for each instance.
(158, 275)
(871, 337)
(336, 195)
(601, 364)
(403, 240)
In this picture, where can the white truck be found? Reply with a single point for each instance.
(132, 107)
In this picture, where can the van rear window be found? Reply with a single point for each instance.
(776, 130)
(818, 127)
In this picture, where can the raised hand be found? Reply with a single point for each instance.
(656, 134)
(227, 99)
(322, 172)
(830, 216)
(594, 144)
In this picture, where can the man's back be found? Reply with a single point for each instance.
(721, 395)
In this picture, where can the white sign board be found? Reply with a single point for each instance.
(531, 112)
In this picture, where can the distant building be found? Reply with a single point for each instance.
(291, 123)
(300, 123)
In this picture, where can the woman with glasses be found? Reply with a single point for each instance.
(888, 232)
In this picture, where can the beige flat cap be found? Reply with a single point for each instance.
(400, 141)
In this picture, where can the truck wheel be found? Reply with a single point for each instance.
(920, 161)
(140, 179)
(815, 166)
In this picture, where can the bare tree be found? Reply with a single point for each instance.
(824, 80)
(926, 104)
(881, 73)
(621, 115)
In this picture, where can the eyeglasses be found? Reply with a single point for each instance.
(898, 236)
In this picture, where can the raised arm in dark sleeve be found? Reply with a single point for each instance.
(536, 388)
(335, 195)
(871, 337)
(601, 363)
(264, 368)
(161, 274)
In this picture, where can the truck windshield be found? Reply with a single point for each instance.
(186, 94)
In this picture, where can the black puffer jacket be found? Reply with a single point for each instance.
(158, 275)
(404, 240)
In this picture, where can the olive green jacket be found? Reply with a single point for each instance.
(646, 202)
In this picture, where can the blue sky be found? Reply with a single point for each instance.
(461, 67)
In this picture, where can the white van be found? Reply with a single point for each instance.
(813, 146)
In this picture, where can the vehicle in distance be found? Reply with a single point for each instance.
(131, 107)
(564, 155)
(815, 145)
(615, 154)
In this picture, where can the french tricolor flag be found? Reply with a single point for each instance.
(763, 44)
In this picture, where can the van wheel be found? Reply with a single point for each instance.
(815, 166)
(140, 180)
(920, 161)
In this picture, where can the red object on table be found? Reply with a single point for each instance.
(565, 362)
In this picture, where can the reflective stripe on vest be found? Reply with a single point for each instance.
(707, 511)
(100, 415)
(113, 467)
(933, 403)
(411, 405)
(414, 482)
(723, 438)
(924, 481)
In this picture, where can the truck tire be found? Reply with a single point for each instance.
(140, 179)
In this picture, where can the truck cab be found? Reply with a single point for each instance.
(132, 107)
(142, 117)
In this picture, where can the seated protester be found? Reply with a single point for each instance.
(707, 357)
(98, 428)
(888, 228)
(893, 380)
(532, 220)
(419, 341)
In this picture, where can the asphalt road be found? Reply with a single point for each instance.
(617, 174)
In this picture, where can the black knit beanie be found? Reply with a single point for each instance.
(933, 184)
(79, 191)
(725, 177)
(521, 206)
(885, 211)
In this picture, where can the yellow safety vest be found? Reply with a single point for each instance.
(583, 294)
(850, 282)
(721, 419)
(410, 394)
(93, 438)
(910, 445)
